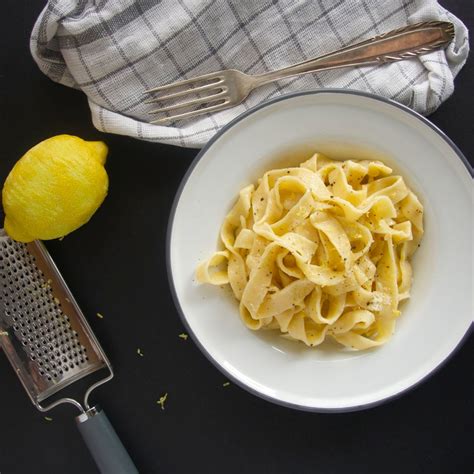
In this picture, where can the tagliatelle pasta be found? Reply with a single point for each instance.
(321, 250)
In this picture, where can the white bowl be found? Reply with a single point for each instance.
(341, 124)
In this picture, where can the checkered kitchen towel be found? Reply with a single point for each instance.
(115, 49)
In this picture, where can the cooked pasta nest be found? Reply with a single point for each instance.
(321, 250)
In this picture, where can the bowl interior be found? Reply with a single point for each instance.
(342, 125)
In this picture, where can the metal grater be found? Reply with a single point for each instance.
(50, 344)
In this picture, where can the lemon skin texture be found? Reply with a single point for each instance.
(54, 188)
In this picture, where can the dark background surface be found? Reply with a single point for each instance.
(115, 265)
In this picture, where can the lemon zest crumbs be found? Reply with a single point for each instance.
(226, 384)
(162, 400)
(61, 238)
(183, 336)
(3, 333)
(48, 418)
(139, 352)
(100, 316)
(56, 300)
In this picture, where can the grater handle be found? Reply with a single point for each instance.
(105, 446)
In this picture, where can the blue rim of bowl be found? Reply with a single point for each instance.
(214, 362)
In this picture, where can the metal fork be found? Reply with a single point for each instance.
(228, 88)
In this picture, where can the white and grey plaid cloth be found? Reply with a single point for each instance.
(115, 49)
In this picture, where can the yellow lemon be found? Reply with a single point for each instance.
(54, 188)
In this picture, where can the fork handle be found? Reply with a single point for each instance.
(402, 43)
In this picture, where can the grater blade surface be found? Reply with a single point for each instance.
(42, 329)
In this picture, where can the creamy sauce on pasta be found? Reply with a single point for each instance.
(321, 250)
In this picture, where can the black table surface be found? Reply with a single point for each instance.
(115, 265)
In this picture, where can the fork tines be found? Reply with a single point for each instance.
(213, 85)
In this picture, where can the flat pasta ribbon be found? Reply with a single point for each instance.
(321, 250)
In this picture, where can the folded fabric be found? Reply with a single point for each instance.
(114, 50)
